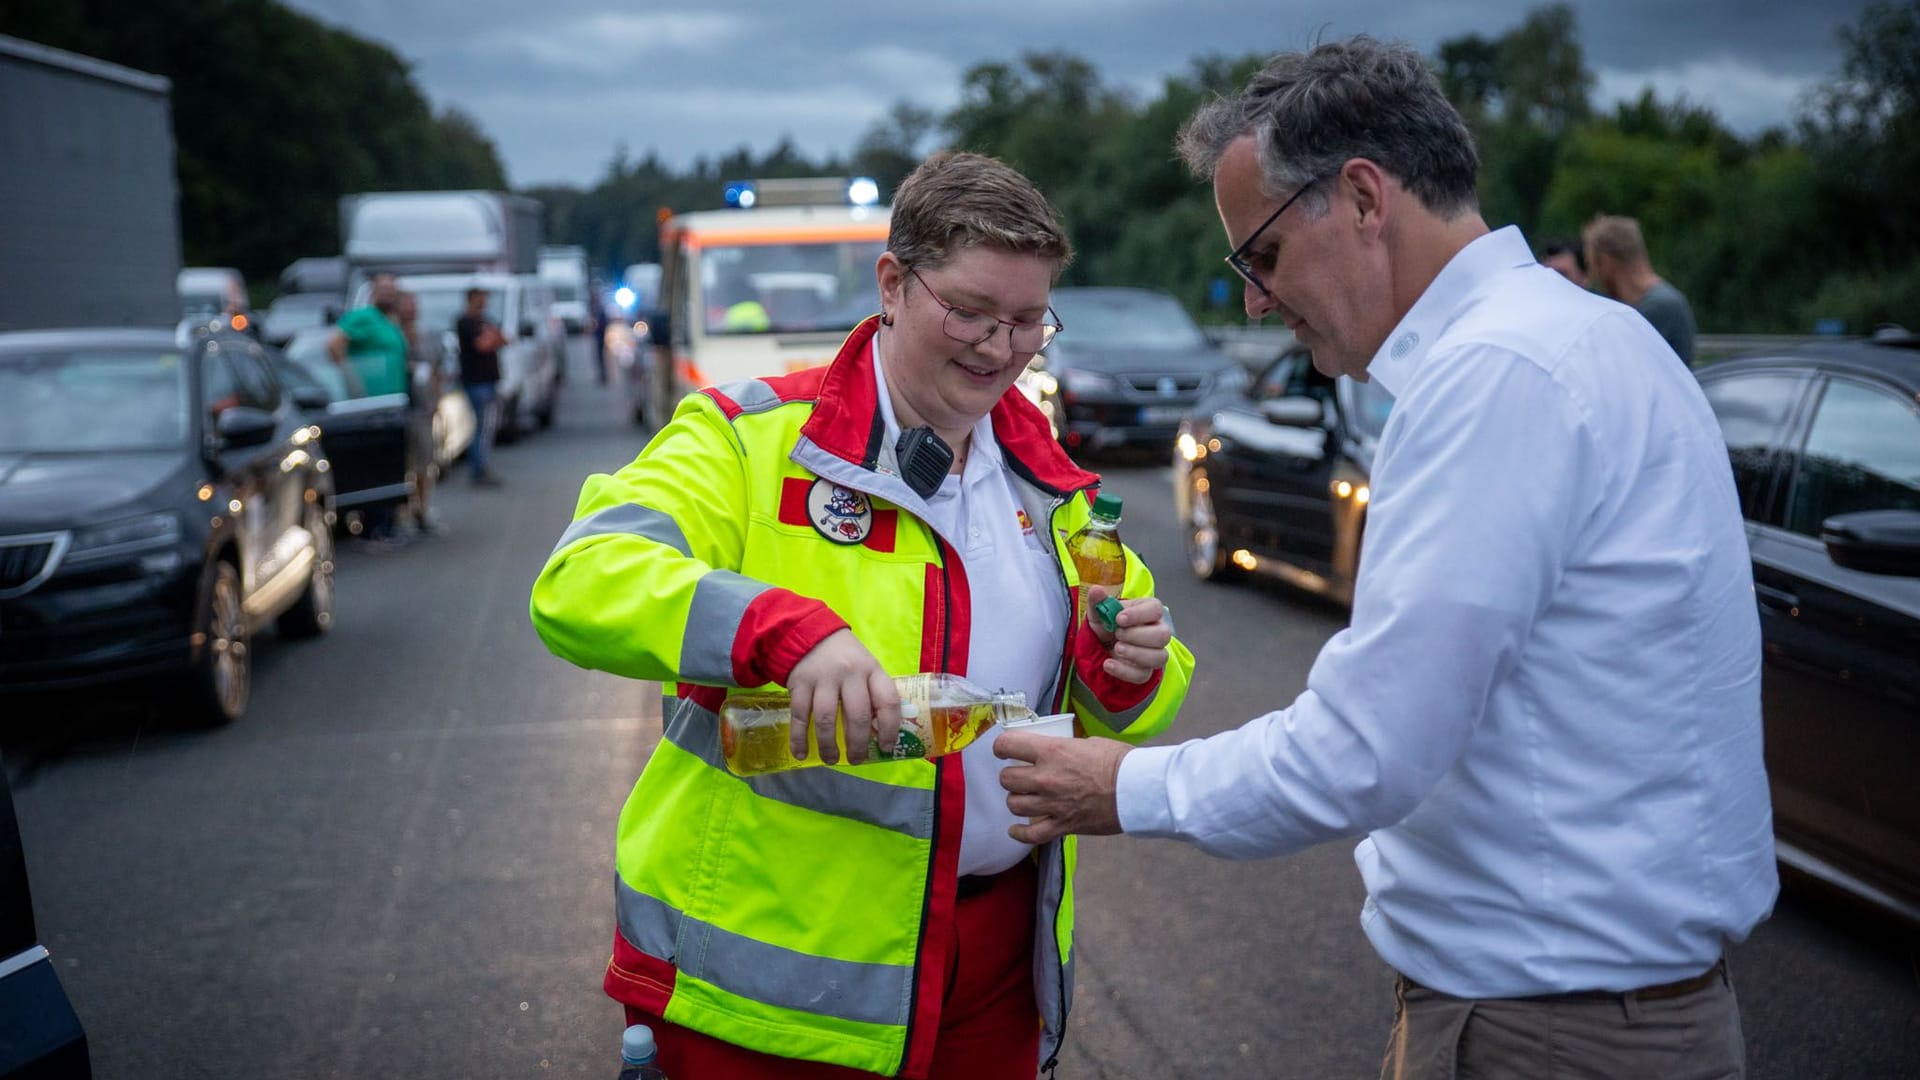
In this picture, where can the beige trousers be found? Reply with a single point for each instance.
(1694, 1036)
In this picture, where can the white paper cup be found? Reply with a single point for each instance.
(1058, 725)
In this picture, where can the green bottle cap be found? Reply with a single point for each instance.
(1109, 612)
(1107, 506)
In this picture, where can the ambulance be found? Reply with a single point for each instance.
(769, 285)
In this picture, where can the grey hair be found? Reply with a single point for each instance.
(1311, 112)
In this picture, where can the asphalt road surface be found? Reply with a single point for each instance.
(399, 862)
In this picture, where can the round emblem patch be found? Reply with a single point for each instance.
(840, 514)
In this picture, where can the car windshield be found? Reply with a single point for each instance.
(192, 304)
(1125, 319)
(789, 288)
(442, 306)
(1371, 404)
(80, 400)
(290, 313)
(305, 362)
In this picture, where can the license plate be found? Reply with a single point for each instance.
(1162, 414)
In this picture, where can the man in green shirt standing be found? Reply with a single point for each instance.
(368, 341)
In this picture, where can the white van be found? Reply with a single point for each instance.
(564, 270)
(210, 291)
(768, 287)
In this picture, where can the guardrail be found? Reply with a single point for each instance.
(1257, 346)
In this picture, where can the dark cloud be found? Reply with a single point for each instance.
(560, 83)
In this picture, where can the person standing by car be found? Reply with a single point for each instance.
(1544, 715)
(895, 511)
(368, 343)
(480, 343)
(424, 358)
(1617, 256)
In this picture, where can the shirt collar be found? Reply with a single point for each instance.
(1408, 345)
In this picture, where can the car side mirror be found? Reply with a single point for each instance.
(1300, 412)
(526, 329)
(243, 426)
(1875, 541)
(311, 398)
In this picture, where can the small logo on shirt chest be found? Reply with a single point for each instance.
(1405, 344)
(840, 514)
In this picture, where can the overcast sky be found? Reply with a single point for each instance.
(559, 83)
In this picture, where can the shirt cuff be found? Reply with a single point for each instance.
(1140, 791)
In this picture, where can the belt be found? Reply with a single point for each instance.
(1661, 992)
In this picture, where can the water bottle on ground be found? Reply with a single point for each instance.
(637, 1053)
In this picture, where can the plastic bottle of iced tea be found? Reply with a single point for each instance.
(939, 714)
(1095, 548)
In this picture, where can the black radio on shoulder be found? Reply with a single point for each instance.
(924, 460)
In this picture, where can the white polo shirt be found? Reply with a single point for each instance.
(1017, 627)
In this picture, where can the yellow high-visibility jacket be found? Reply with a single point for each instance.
(805, 913)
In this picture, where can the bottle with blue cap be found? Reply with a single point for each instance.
(637, 1053)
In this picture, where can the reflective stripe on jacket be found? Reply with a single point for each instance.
(806, 914)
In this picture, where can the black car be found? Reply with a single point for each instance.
(39, 1034)
(161, 498)
(1272, 477)
(1825, 443)
(1129, 366)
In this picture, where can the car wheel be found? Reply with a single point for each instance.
(222, 678)
(312, 614)
(1206, 556)
(545, 413)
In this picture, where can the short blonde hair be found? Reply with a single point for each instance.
(954, 201)
(1616, 237)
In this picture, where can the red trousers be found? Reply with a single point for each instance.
(989, 1024)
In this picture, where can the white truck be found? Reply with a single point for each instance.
(89, 208)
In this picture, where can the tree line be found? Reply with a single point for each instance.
(1814, 222)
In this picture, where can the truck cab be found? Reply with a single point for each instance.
(767, 286)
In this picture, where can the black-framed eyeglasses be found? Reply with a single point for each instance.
(1238, 258)
(970, 327)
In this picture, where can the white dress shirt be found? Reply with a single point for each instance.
(1018, 621)
(1545, 713)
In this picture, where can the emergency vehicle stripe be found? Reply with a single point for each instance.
(850, 989)
(905, 810)
(627, 519)
(720, 600)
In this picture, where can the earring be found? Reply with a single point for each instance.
(886, 319)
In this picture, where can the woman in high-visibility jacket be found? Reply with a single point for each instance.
(835, 922)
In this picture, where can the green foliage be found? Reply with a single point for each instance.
(275, 115)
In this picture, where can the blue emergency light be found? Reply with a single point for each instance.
(741, 193)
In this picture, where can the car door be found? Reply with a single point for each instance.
(1842, 679)
(364, 438)
(1283, 471)
(283, 465)
(242, 473)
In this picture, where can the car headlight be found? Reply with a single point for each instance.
(126, 535)
(1076, 381)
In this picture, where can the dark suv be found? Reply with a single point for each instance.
(1825, 442)
(160, 499)
(1130, 364)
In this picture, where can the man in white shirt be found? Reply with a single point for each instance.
(1544, 717)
